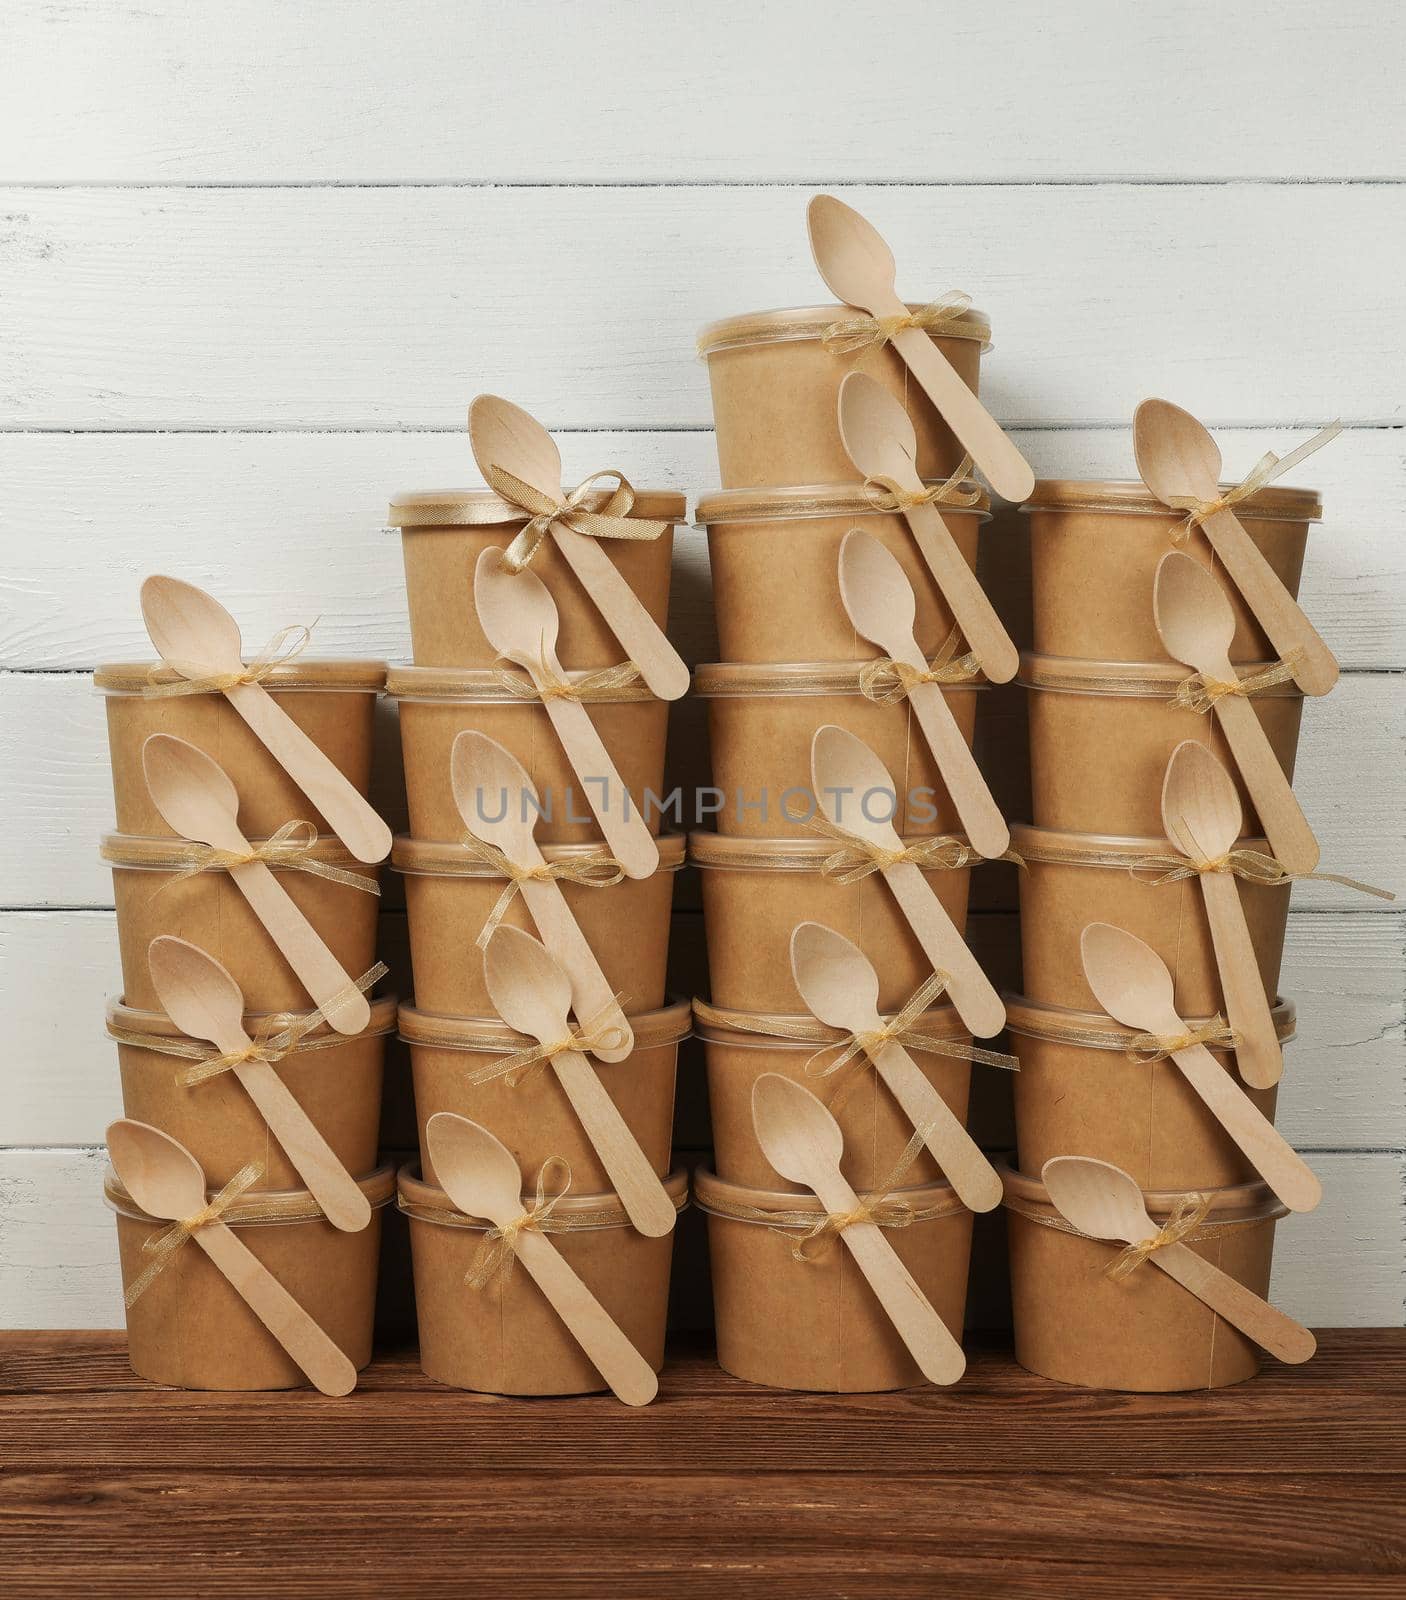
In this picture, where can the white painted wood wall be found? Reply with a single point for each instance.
(255, 257)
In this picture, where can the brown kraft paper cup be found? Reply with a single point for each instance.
(207, 909)
(336, 1080)
(762, 720)
(190, 1329)
(443, 533)
(775, 556)
(877, 1133)
(1144, 1334)
(1094, 550)
(436, 705)
(816, 1324)
(449, 897)
(333, 702)
(1079, 1092)
(776, 392)
(1102, 732)
(757, 891)
(534, 1117)
(1073, 879)
(505, 1338)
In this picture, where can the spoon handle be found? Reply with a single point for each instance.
(1280, 815)
(320, 1361)
(347, 1010)
(926, 1336)
(348, 815)
(644, 641)
(630, 1376)
(968, 1171)
(1274, 608)
(969, 603)
(591, 994)
(1258, 1056)
(1229, 1298)
(1276, 1161)
(644, 1197)
(1007, 471)
(977, 1003)
(328, 1181)
(981, 816)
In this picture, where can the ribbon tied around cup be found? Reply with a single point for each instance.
(611, 521)
(285, 645)
(937, 317)
(543, 683)
(886, 681)
(494, 1258)
(858, 858)
(888, 494)
(1264, 472)
(1215, 1033)
(1186, 1217)
(162, 1247)
(1199, 693)
(594, 1033)
(290, 848)
(595, 871)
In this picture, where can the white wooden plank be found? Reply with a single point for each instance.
(386, 307)
(297, 518)
(258, 90)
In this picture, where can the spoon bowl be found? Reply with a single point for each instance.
(191, 630)
(1099, 1199)
(529, 988)
(876, 430)
(1129, 979)
(159, 1173)
(850, 254)
(1175, 453)
(1200, 809)
(476, 1170)
(835, 978)
(504, 435)
(843, 766)
(515, 610)
(193, 793)
(1193, 615)
(795, 1130)
(196, 992)
(878, 596)
(480, 769)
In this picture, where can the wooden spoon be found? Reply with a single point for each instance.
(197, 638)
(479, 1175)
(1103, 1202)
(879, 600)
(480, 767)
(804, 1143)
(1196, 625)
(1202, 817)
(879, 439)
(843, 767)
(838, 983)
(858, 267)
(203, 1000)
(504, 435)
(1177, 457)
(519, 618)
(166, 1181)
(195, 797)
(533, 995)
(1131, 982)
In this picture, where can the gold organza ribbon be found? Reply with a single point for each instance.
(595, 871)
(1199, 693)
(1186, 1218)
(1254, 866)
(611, 522)
(543, 683)
(161, 1247)
(938, 317)
(888, 494)
(1191, 1213)
(281, 649)
(593, 1034)
(1265, 471)
(1215, 1033)
(886, 681)
(290, 848)
(494, 1258)
(858, 858)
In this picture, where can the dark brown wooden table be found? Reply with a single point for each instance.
(1294, 1484)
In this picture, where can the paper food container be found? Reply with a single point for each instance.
(450, 895)
(534, 1117)
(815, 1323)
(756, 891)
(437, 704)
(191, 1330)
(335, 1078)
(333, 702)
(775, 557)
(1080, 1091)
(776, 389)
(504, 1338)
(1073, 879)
(1094, 550)
(762, 719)
(1143, 1333)
(740, 1046)
(442, 534)
(153, 898)
(1115, 721)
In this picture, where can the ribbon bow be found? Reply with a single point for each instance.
(1254, 866)
(857, 857)
(943, 315)
(888, 494)
(612, 521)
(886, 681)
(281, 649)
(1199, 693)
(594, 1034)
(1187, 1216)
(878, 1206)
(1265, 471)
(161, 1247)
(544, 683)
(494, 1258)
(1149, 1047)
(291, 848)
(596, 871)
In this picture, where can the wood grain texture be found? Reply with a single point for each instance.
(168, 308)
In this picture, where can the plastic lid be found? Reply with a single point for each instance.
(481, 508)
(1132, 497)
(1036, 1019)
(741, 853)
(1242, 1202)
(483, 684)
(814, 500)
(433, 857)
(131, 677)
(809, 322)
(1138, 679)
(667, 1025)
(735, 679)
